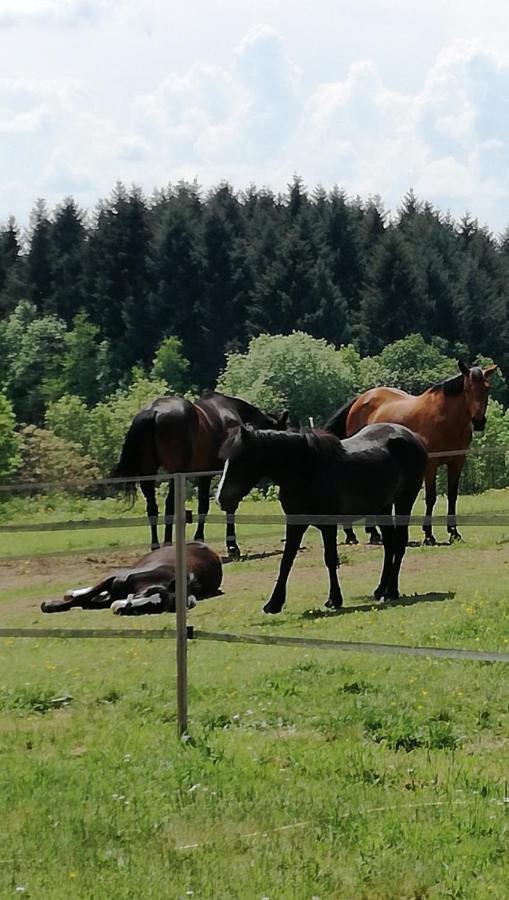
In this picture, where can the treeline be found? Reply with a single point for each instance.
(84, 299)
(307, 376)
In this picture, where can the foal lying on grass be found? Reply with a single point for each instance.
(378, 469)
(148, 587)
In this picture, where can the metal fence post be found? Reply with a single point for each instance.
(181, 600)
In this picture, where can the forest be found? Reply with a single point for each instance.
(101, 310)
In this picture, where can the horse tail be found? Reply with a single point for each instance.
(134, 449)
(337, 423)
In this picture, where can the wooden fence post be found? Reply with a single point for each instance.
(181, 600)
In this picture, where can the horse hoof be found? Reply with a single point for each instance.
(454, 537)
(351, 539)
(333, 604)
(120, 607)
(233, 554)
(271, 610)
(155, 546)
(375, 540)
(378, 593)
(429, 541)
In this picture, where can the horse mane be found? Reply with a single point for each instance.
(314, 444)
(244, 408)
(451, 387)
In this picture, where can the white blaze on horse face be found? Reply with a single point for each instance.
(80, 591)
(221, 483)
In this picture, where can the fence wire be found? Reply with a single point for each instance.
(161, 478)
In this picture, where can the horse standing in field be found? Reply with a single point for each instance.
(444, 417)
(148, 586)
(181, 436)
(380, 468)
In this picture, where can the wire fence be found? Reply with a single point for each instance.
(495, 452)
(182, 633)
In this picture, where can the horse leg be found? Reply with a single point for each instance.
(154, 599)
(374, 535)
(169, 512)
(294, 535)
(351, 537)
(430, 481)
(453, 476)
(203, 506)
(403, 508)
(231, 540)
(149, 492)
(388, 538)
(330, 555)
(97, 597)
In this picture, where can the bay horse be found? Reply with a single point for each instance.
(318, 475)
(180, 436)
(444, 416)
(149, 585)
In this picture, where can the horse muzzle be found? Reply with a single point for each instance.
(479, 424)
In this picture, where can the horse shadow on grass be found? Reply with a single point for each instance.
(250, 557)
(430, 597)
(380, 545)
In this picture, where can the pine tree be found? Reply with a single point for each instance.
(342, 237)
(39, 262)
(177, 276)
(118, 280)
(392, 301)
(328, 310)
(9, 264)
(227, 282)
(67, 238)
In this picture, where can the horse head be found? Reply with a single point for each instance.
(476, 387)
(242, 467)
(272, 421)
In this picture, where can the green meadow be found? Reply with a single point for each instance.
(306, 773)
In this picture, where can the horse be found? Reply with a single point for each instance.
(318, 475)
(444, 416)
(149, 586)
(181, 436)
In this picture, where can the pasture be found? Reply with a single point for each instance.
(307, 774)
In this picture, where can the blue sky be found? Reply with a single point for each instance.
(377, 96)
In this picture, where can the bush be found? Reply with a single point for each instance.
(100, 431)
(487, 465)
(295, 372)
(9, 443)
(47, 457)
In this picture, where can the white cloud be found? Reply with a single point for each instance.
(258, 117)
(449, 140)
(49, 12)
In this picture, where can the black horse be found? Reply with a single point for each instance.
(181, 436)
(379, 468)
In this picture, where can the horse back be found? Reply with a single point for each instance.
(425, 415)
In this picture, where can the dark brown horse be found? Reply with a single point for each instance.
(378, 469)
(444, 417)
(149, 585)
(174, 434)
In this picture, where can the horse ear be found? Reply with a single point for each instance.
(245, 434)
(489, 371)
(463, 367)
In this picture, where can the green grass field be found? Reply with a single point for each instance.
(308, 774)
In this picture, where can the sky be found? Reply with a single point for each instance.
(377, 97)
